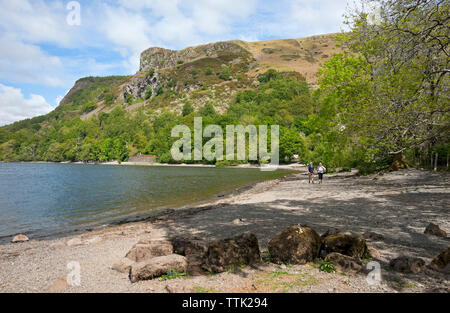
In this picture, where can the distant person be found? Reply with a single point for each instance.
(311, 172)
(320, 170)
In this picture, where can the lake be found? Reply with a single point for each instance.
(45, 199)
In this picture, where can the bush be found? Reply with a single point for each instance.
(151, 72)
(225, 73)
(159, 90)
(208, 71)
(148, 92)
(128, 98)
(88, 107)
(187, 109)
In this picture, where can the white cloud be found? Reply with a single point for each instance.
(14, 106)
(36, 21)
(27, 63)
(58, 99)
(300, 18)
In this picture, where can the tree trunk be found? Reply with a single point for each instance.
(435, 162)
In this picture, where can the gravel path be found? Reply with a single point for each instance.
(396, 205)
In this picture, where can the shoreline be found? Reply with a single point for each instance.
(291, 166)
(157, 214)
(396, 205)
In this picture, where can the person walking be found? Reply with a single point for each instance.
(320, 171)
(311, 172)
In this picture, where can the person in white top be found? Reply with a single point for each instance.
(320, 170)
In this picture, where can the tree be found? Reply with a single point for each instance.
(392, 90)
(187, 109)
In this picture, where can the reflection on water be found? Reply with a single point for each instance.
(45, 199)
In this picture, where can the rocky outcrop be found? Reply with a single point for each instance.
(157, 267)
(295, 245)
(435, 230)
(442, 261)
(138, 84)
(20, 238)
(406, 264)
(147, 249)
(347, 243)
(159, 58)
(345, 263)
(228, 253)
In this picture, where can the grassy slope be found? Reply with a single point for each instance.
(189, 81)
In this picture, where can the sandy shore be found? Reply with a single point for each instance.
(396, 205)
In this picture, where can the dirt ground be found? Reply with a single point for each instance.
(396, 205)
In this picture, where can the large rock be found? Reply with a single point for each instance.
(20, 238)
(406, 264)
(123, 266)
(194, 249)
(295, 245)
(347, 243)
(442, 261)
(146, 249)
(157, 267)
(189, 245)
(228, 253)
(435, 230)
(345, 263)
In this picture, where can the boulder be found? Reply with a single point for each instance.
(435, 230)
(228, 253)
(406, 264)
(442, 261)
(123, 266)
(345, 263)
(189, 245)
(331, 231)
(20, 238)
(295, 245)
(347, 243)
(195, 264)
(146, 249)
(157, 267)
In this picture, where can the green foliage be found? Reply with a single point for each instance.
(88, 107)
(327, 266)
(207, 110)
(208, 71)
(187, 109)
(225, 73)
(148, 92)
(129, 98)
(151, 72)
(109, 98)
(159, 90)
(172, 274)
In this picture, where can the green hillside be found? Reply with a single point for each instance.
(346, 100)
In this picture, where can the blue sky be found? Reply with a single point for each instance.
(42, 55)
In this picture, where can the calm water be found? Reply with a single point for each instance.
(50, 199)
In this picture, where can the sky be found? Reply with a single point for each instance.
(45, 46)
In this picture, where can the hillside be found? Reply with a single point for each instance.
(104, 118)
(206, 73)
